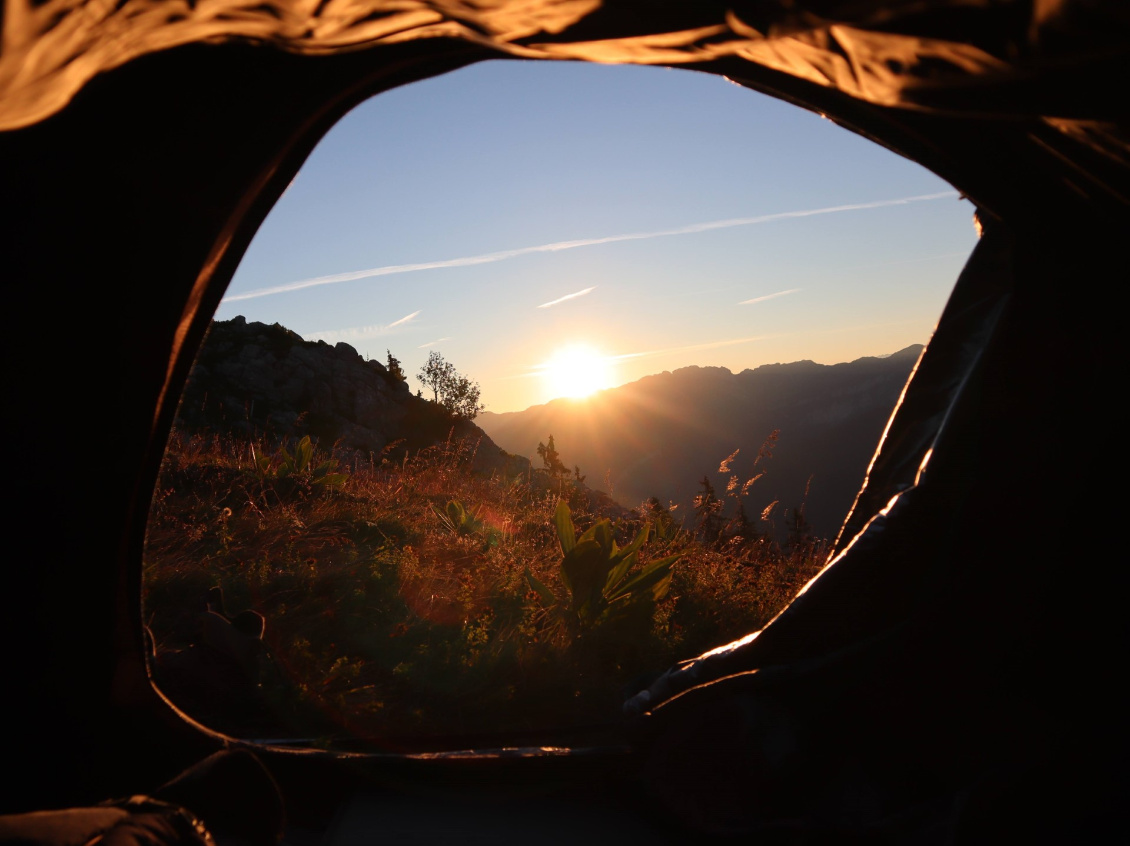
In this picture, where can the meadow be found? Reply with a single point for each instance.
(407, 602)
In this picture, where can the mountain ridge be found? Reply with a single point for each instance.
(252, 379)
(659, 435)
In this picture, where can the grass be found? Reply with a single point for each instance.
(398, 618)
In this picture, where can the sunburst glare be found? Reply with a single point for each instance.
(577, 370)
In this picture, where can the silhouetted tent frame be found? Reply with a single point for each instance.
(958, 659)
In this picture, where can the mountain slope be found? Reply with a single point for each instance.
(658, 436)
(251, 379)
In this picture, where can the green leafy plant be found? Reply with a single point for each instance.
(598, 575)
(458, 520)
(300, 466)
(665, 528)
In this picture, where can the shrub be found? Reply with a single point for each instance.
(299, 466)
(597, 575)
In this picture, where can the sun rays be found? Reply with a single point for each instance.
(577, 371)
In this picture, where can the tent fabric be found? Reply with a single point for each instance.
(853, 610)
(958, 658)
(228, 797)
(139, 821)
(1001, 58)
(1049, 64)
(932, 657)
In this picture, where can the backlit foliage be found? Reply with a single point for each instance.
(413, 600)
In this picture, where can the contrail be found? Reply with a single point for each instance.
(572, 296)
(432, 343)
(358, 333)
(770, 296)
(557, 246)
(405, 319)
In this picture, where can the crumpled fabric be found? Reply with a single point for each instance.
(966, 56)
(231, 789)
(134, 821)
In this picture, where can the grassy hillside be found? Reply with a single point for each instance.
(414, 602)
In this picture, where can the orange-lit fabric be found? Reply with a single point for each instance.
(977, 56)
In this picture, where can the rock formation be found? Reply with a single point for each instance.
(257, 380)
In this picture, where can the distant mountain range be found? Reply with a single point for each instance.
(660, 435)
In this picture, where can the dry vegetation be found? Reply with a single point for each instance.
(411, 601)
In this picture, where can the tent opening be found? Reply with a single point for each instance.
(538, 378)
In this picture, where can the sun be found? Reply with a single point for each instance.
(576, 371)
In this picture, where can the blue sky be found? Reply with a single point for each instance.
(482, 214)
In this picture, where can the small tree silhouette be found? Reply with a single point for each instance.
(395, 370)
(454, 391)
(435, 373)
(552, 459)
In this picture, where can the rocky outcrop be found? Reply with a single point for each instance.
(259, 380)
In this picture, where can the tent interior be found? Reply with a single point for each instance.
(951, 676)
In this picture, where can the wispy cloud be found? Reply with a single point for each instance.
(406, 319)
(557, 246)
(361, 333)
(432, 343)
(572, 296)
(770, 296)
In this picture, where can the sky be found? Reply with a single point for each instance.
(643, 218)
